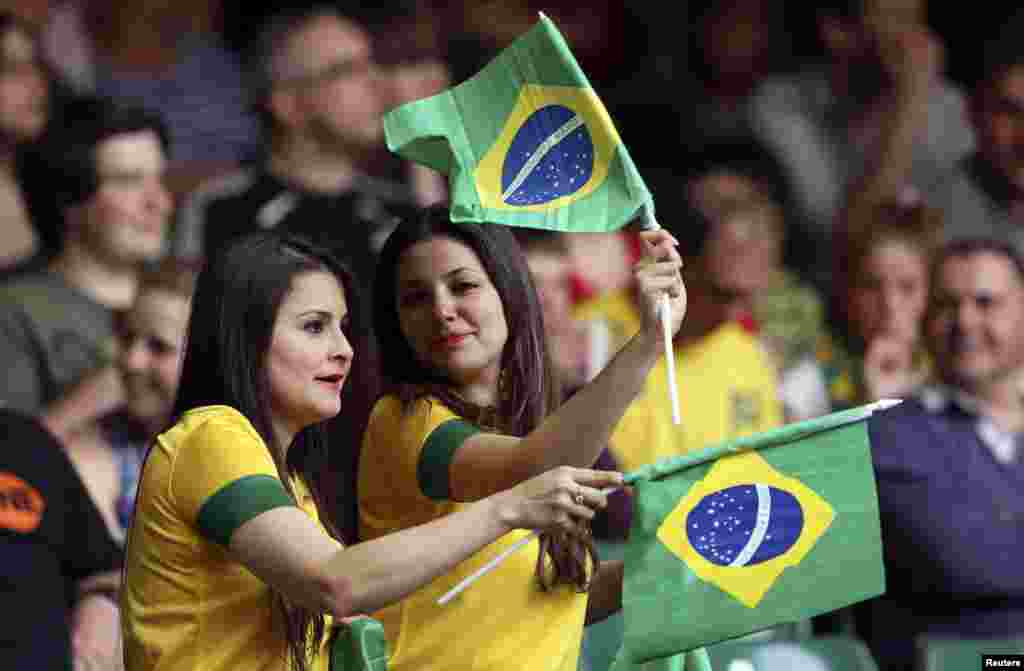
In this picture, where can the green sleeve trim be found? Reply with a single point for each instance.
(236, 503)
(435, 462)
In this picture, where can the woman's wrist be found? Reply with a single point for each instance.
(501, 508)
(648, 346)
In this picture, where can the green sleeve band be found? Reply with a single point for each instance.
(432, 471)
(238, 502)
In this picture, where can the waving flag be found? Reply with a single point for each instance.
(525, 142)
(764, 530)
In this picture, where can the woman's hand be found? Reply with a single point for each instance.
(889, 370)
(562, 499)
(657, 274)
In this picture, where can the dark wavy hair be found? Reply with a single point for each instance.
(58, 170)
(237, 298)
(529, 389)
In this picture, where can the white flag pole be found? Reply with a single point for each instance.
(649, 223)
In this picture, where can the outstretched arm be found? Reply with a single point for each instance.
(288, 551)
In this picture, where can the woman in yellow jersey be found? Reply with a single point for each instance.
(234, 560)
(471, 410)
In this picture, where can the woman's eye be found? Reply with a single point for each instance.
(314, 326)
(465, 286)
(157, 346)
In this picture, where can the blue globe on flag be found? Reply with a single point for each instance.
(550, 156)
(745, 525)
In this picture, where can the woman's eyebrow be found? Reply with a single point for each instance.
(315, 311)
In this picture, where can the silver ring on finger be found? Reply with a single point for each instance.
(578, 499)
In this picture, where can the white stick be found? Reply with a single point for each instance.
(493, 564)
(665, 312)
(485, 569)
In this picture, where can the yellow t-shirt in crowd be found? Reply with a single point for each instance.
(504, 621)
(726, 383)
(187, 605)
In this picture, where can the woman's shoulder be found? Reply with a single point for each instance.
(397, 408)
(210, 425)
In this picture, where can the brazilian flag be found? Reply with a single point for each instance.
(525, 142)
(768, 529)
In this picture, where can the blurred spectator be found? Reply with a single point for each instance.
(315, 81)
(98, 180)
(477, 30)
(786, 314)
(727, 384)
(408, 53)
(876, 350)
(879, 117)
(601, 263)
(56, 552)
(722, 173)
(734, 45)
(108, 455)
(949, 466)
(167, 57)
(547, 255)
(24, 110)
(985, 196)
(739, 188)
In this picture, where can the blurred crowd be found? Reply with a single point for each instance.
(846, 181)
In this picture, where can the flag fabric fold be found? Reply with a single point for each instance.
(525, 142)
(746, 535)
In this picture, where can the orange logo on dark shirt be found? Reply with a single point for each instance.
(21, 506)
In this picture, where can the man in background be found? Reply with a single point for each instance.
(96, 182)
(950, 467)
(320, 94)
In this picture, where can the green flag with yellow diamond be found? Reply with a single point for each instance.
(763, 530)
(525, 142)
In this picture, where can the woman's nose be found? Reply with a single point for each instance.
(444, 306)
(342, 348)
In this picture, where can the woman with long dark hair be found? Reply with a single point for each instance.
(473, 408)
(234, 559)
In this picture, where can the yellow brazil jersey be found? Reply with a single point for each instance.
(727, 388)
(504, 621)
(186, 604)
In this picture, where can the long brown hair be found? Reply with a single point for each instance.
(528, 387)
(236, 301)
(916, 225)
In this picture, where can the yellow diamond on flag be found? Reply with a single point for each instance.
(555, 148)
(743, 524)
